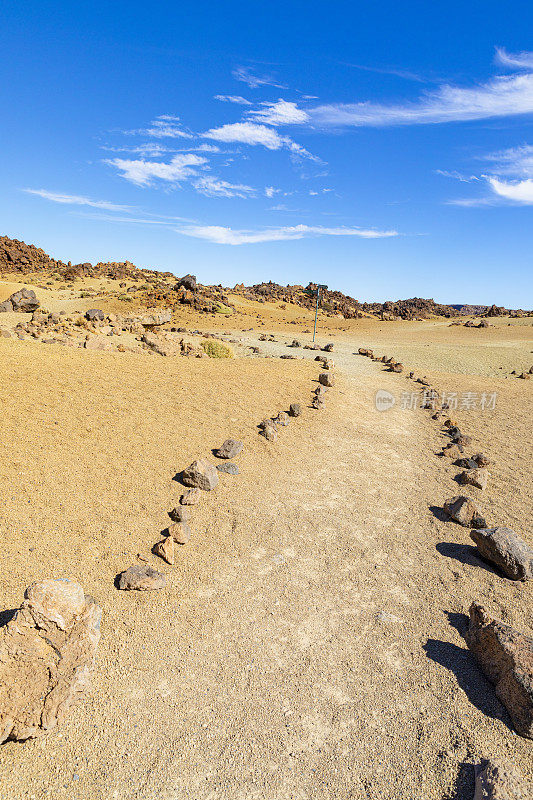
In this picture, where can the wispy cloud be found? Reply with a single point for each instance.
(76, 200)
(502, 96)
(162, 127)
(523, 60)
(233, 98)
(222, 235)
(252, 134)
(457, 175)
(214, 187)
(515, 162)
(398, 73)
(245, 75)
(280, 112)
(181, 167)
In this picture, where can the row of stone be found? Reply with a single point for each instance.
(200, 476)
(504, 654)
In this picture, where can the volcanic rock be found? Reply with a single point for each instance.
(464, 511)
(229, 449)
(230, 469)
(190, 497)
(165, 549)
(506, 550)
(141, 577)
(47, 653)
(474, 477)
(326, 379)
(200, 475)
(506, 657)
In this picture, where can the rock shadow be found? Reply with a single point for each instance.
(469, 676)
(466, 554)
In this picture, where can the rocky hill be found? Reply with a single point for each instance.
(163, 289)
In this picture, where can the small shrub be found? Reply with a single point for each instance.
(216, 349)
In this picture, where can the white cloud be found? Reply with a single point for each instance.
(233, 98)
(281, 112)
(247, 133)
(214, 187)
(500, 97)
(246, 75)
(162, 127)
(523, 60)
(143, 173)
(270, 191)
(253, 134)
(76, 200)
(518, 192)
(222, 235)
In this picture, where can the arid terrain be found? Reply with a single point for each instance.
(310, 641)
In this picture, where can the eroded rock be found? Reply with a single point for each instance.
(229, 469)
(498, 782)
(506, 657)
(200, 475)
(464, 511)
(229, 449)
(179, 532)
(506, 550)
(326, 379)
(165, 549)
(46, 656)
(190, 497)
(141, 577)
(477, 477)
(295, 409)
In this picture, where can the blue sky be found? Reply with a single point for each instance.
(384, 149)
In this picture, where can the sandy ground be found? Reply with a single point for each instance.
(310, 643)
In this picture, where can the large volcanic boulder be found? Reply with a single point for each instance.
(23, 300)
(187, 282)
(47, 652)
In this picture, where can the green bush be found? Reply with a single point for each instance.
(216, 349)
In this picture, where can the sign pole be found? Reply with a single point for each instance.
(318, 288)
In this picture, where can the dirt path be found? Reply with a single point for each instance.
(310, 646)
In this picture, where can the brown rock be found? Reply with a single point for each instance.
(481, 460)
(326, 379)
(318, 401)
(229, 449)
(295, 409)
(200, 475)
(464, 511)
(397, 367)
(281, 419)
(180, 513)
(269, 432)
(452, 450)
(507, 550)
(159, 346)
(47, 652)
(498, 782)
(474, 477)
(165, 549)
(506, 658)
(179, 532)
(190, 497)
(142, 578)
(328, 347)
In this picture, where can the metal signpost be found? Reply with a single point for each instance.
(318, 288)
